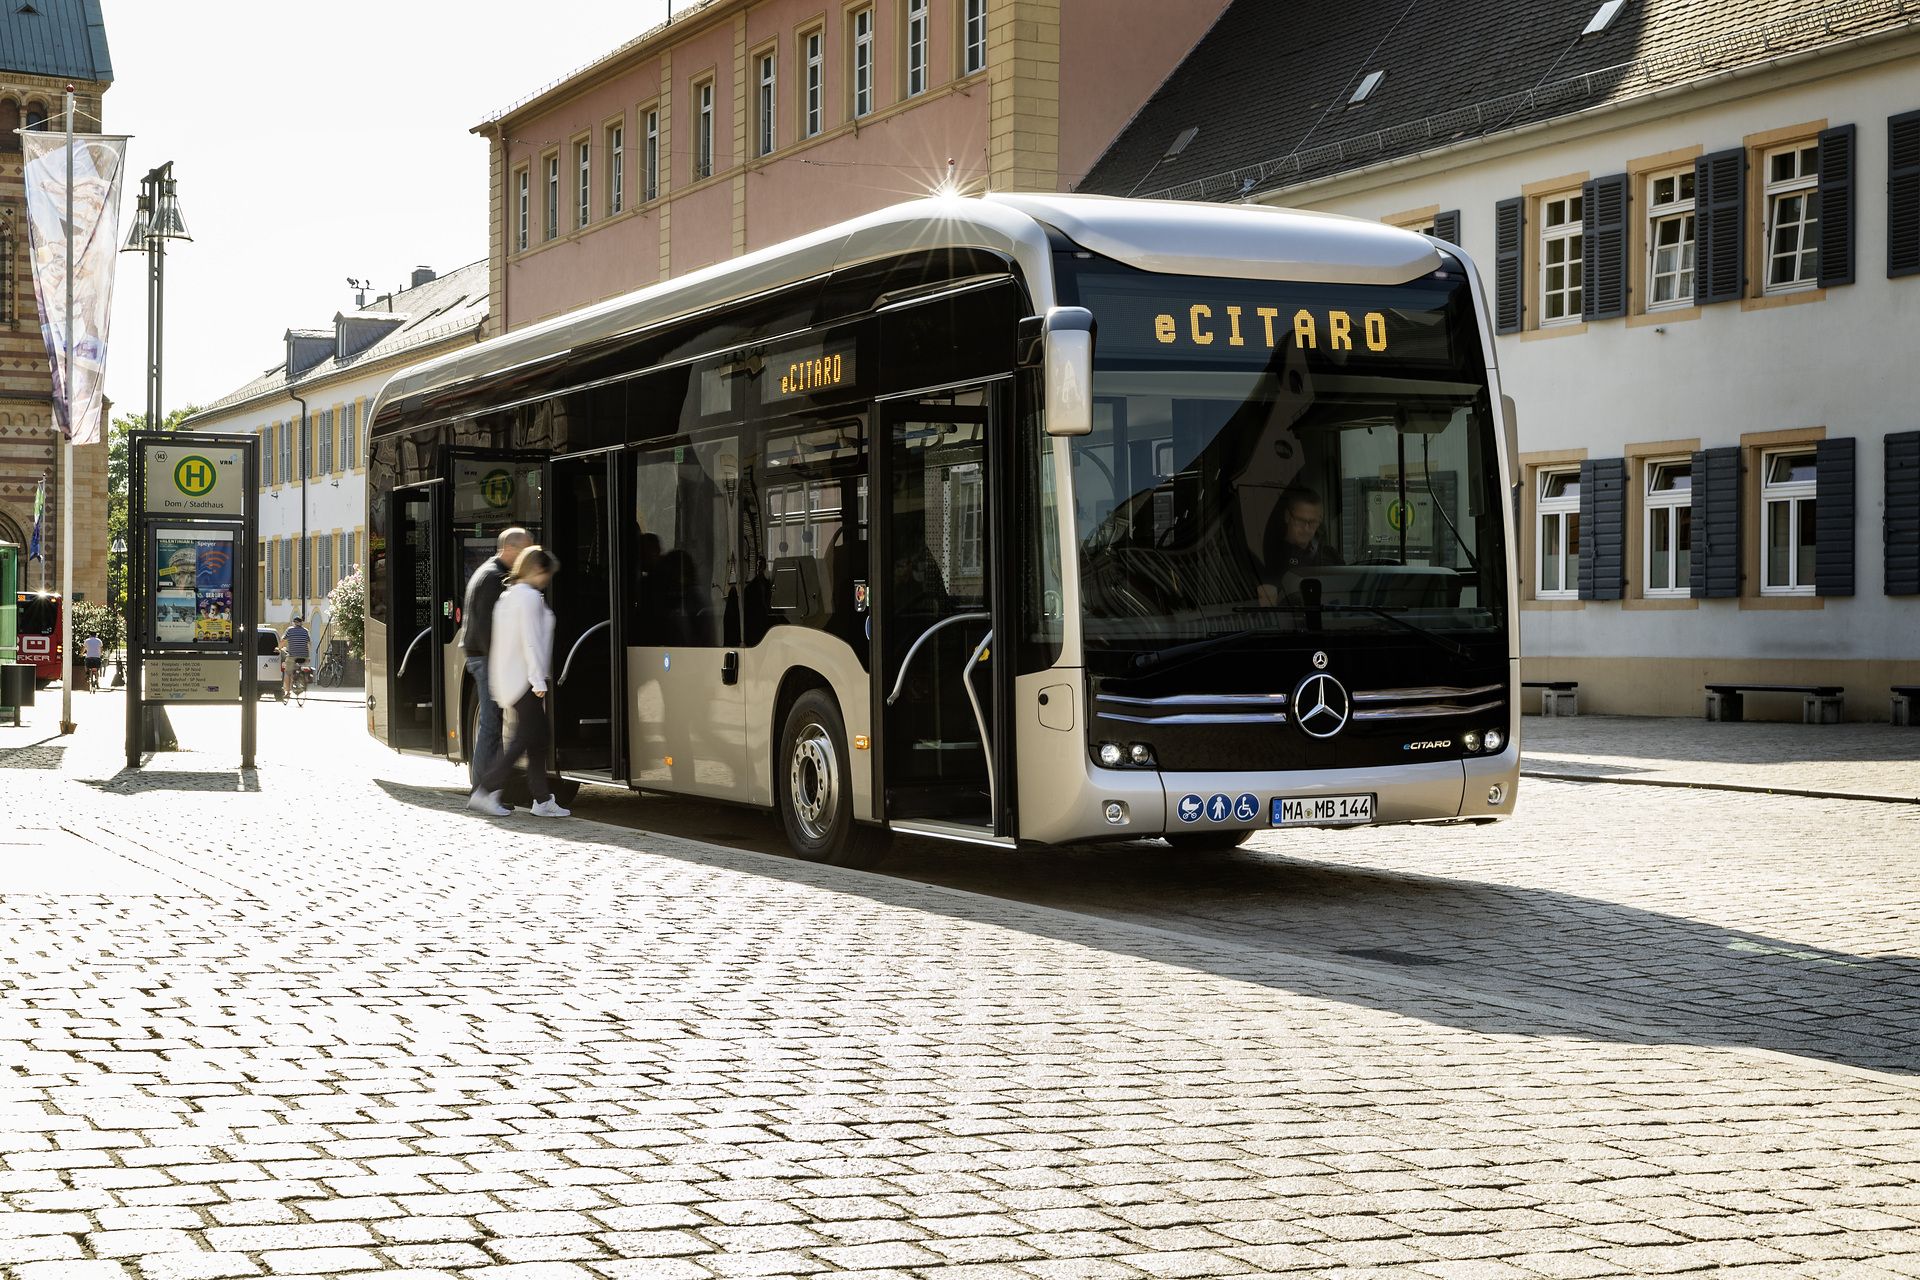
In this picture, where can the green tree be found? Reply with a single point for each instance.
(96, 618)
(118, 471)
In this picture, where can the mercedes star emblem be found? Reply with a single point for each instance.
(1320, 660)
(1321, 706)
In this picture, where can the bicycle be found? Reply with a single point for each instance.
(93, 675)
(302, 677)
(332, 672)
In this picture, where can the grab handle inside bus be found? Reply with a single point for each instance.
(408, 656)
(1069, 371)
(907, 661)
(567, 666)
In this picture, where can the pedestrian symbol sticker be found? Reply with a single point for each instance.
(1246, 808)
(193, 475)
(1399, 514)
(1219, 808)
(496, 488)
(1190, 807)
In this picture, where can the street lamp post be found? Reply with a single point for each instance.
(116, 572)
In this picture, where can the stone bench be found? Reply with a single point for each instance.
(1821, 704)
(1557, 697)
(1900, 710)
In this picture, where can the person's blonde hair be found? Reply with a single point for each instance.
(533, 559)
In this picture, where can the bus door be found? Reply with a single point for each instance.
(416, 591)
(945, 764)
(589, 647)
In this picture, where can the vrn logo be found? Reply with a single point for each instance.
(193, 475)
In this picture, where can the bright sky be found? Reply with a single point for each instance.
(312, 145)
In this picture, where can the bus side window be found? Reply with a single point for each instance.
(686, 567)
(806, 530)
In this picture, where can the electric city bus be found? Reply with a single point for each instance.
(1025, 518)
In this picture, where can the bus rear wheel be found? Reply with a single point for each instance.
(814, 788)
(1208, 841)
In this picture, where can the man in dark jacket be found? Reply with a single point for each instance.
(476, 614)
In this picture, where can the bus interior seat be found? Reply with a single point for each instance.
(796, 589)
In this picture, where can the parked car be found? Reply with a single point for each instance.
(267, 663)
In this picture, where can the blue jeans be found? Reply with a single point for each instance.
(486, 743)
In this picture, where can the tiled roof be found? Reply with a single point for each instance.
(1269, 85)
(447, 307)
(65, 38)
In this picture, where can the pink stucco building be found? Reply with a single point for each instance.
(742, 123)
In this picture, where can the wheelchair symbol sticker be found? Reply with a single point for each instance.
(1246, 808)
(1190, 807)
(1219, 808)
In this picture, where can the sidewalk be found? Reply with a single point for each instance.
(316, 1019)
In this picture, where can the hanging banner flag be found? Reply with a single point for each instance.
(39, 517)
(97, 162)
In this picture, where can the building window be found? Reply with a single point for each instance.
(863, 63)
(266, 457)
(813, 42)
(306, 568)
(1558, 574)
(553, 197)
(286, 453)
(1561, 248)
(285, 551)
(526, 210)
(1793, 219)
(1670, 240)
(703, 140)
(306, 447)
(583, 172)
(326, 441)
(975, 36)
(1669, 528)
(1786, 523)
(326, 562)
(650, 178)
(916, 47)
(349, 553)
(349, 437)
(268, 586)
(766, 102)
(616, 170)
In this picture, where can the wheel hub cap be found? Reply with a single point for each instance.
(815, 780)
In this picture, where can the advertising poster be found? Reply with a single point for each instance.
(177, 557)
(215, 623)
(176, 616)
(194, 604)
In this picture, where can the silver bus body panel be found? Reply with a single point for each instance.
(765, 667)
(687, 732)
(374, 642)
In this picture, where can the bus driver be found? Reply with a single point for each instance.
(1294, 544)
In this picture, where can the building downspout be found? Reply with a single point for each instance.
(302, 447)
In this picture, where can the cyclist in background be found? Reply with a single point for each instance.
(93, 664)
(296, 647)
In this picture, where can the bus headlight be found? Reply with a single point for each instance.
(1495, 739)
(1470, 739)
(1111, 755)
(1140, 753)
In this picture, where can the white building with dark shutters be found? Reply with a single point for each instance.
(1700, 227)
(309, 411)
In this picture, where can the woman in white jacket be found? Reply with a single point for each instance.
(519, 655)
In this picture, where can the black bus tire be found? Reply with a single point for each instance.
(813, 788)
(1207, 841)
(40, 685)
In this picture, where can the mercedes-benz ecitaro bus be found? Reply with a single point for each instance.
(1028, 518)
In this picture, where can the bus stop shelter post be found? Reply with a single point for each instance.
(136, 591)
(247, 552)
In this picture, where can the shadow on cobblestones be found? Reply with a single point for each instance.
(48, 753)
(130, 782)
(1503, 958)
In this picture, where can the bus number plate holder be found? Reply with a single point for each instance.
(1322, 811)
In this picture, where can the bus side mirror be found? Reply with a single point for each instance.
(1069, 371)
(1510, 422)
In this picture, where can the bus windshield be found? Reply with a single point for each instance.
(1284, 457)
(38, 615)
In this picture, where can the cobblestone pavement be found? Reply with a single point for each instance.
(320, 1021)
(1873, 759)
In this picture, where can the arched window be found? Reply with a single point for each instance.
(36, 115)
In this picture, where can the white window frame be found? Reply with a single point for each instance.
(769, 134)
(1792, 501)
(583, 198)
(1665, 506)
(918, 16)
(1563, 514)
(553, 197)
(526, 208)
(1803, 187)
(1675, 211)
(863, 63)
(703, 131)
(650, 189)
(973, 36)
(815, 44)
(616, 169)
(1566, 239)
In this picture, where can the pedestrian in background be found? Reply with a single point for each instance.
(483, 593)
(517, 665)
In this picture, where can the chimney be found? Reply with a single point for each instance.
(421, 275)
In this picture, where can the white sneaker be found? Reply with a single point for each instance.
(549, 808)
(487, 802)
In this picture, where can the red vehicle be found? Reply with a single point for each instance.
(40, 641)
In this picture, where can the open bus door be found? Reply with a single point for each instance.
(417, 596)
(584, 529)
(943, 695)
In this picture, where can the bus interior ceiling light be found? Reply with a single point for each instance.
(1367, 86)
(1603, 18)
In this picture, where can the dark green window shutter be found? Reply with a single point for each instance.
(1901, 529)
(1903, 195)
(1716, 522)
(1837, 147)
(1720, 233)
(1446, 226)
(1509, 223)
(1833, 518)
(1603, 528)
(1604, 241)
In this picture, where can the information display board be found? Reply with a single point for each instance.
(193, 679)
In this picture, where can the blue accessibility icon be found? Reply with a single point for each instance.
(1219, 808)
(1190, 808)
(1246, 808)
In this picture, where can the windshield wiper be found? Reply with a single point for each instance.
(1453, 647)
(1143, 661)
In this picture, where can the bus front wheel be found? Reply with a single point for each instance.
(815, 790)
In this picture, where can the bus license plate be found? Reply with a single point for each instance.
(1322, 811)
